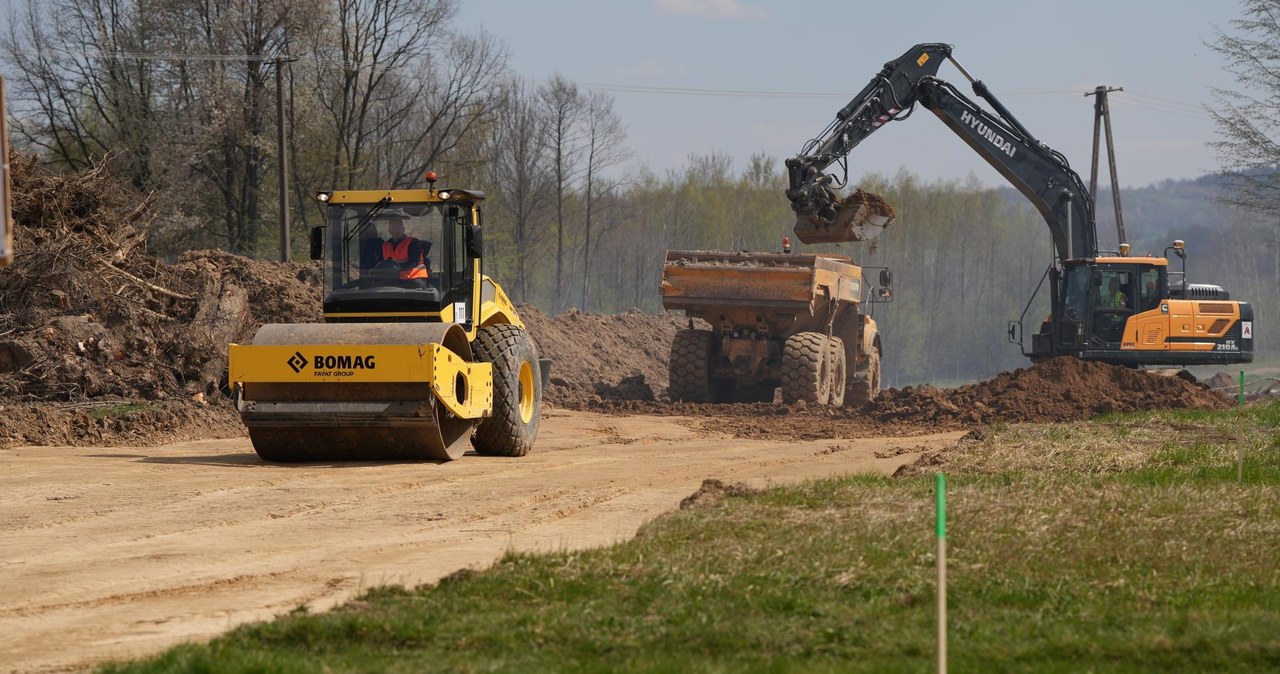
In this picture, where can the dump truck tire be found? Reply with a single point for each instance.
(867, 388)
(690, 367)
(809, 367)
(517, 391)
(838, 371)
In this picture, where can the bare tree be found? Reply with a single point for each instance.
(518, 168)
(1248, 116)
(457, 96)
(604, 139)
(77, 97)
(227, 107)
(562, 105)
(365, 74)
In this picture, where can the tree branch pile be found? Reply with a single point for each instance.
(87, 312)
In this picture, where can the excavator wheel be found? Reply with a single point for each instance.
(690, 366)
(866, 389)
(517, 391)
(810, 367)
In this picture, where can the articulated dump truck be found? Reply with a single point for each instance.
(420, 354)
(777, 321)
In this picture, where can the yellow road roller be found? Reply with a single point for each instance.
(420, 354)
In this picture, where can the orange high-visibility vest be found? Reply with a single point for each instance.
(399, 253)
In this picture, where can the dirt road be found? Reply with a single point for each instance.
(119, 552)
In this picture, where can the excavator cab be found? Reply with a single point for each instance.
(1135, 311)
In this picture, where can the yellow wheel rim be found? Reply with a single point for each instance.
(527, 391)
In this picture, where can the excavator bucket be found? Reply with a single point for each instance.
(861, 216)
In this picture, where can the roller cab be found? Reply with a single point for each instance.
(420, 355)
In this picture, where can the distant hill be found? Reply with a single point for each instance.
(1157, 214)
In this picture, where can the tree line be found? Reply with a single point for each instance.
(179, 97)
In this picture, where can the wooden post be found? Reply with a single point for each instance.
(940, 490)
(282, 161)
(6, 205)
(1240, 432)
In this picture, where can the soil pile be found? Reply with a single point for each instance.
(599, 357)
(874, 202)
(88, 318)
(1060, 389)
(88, 313)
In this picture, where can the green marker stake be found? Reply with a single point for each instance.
(940, 490)
(1240, 432)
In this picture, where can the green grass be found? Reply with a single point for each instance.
(115, 411)
(1119, 545)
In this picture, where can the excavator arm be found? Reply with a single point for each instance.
(1040, 173)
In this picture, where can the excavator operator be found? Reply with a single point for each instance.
(1114, 298)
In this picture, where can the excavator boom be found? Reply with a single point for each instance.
(1041, 174)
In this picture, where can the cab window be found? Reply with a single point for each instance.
(1115, 292)
(1149, 289)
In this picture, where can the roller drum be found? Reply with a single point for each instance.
(329, 421)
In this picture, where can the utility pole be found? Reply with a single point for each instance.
(6, 205)
(282, 161)
(1102, 113)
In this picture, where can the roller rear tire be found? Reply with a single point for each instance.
(517, 391)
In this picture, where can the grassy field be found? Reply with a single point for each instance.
(1117, 545)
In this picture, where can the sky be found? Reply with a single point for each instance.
(764, 77)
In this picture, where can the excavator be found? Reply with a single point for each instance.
(420, 356)
(1104, 306)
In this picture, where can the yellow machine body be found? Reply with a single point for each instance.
(397, 371)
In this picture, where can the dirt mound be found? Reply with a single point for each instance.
(602, 357)
(618, 365)
(1060, 389)
(102, 422)
(88, 313)
(713, 492)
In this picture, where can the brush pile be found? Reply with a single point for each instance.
(86, 312)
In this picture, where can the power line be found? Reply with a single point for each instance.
(756, 93)
(1143, 101)
(696, 91)
(223, 58)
